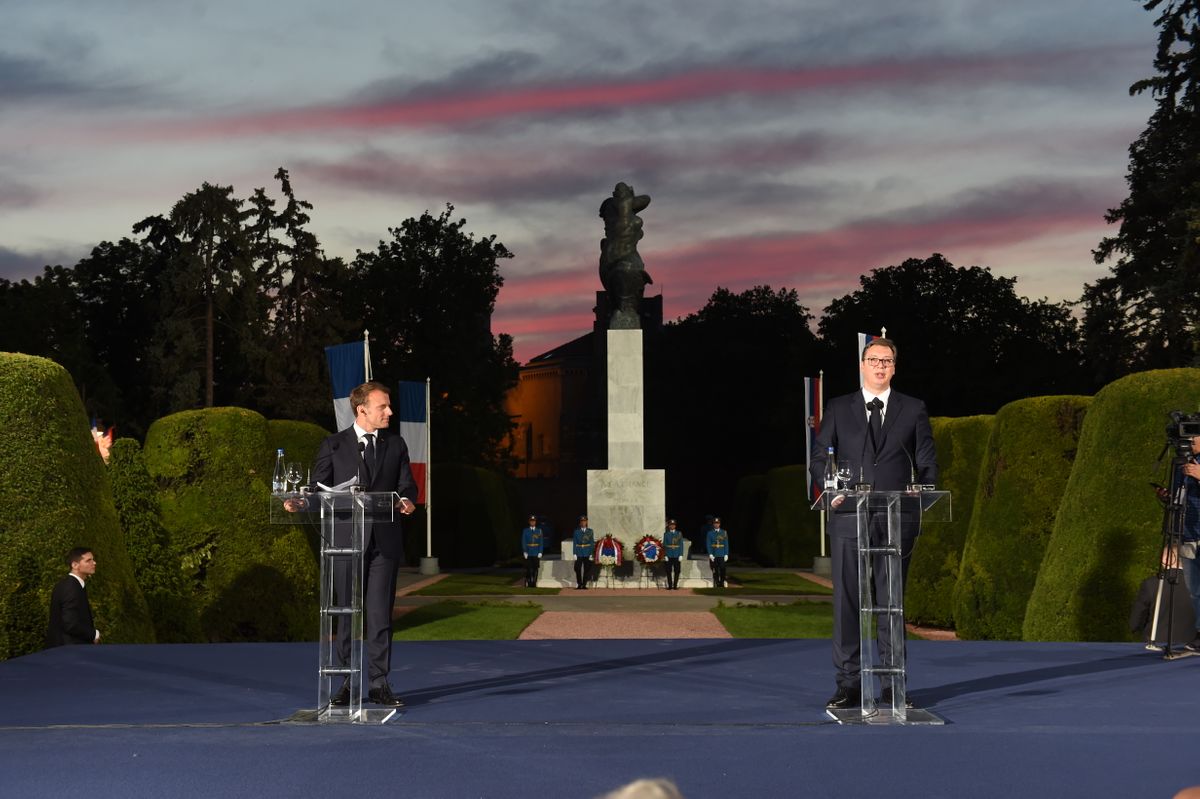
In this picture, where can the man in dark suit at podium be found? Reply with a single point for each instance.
(70, 612)
(379, 458)
(886, 439)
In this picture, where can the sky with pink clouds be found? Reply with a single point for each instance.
(798, 144)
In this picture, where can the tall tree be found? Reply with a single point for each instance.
(427, 296)
(1155, 280)
(953, 321)
(212, 309)
(307, 291)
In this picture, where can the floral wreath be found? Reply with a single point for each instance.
(609, 551)
(648, 549)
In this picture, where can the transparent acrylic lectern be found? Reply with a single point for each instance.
(342, 519)
(880, 517)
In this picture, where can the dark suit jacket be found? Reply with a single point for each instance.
(905, 452)
(70, 615)
(338, 460)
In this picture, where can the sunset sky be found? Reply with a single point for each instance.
(798, 144)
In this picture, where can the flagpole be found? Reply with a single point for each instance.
(367, 354)
(428, 473)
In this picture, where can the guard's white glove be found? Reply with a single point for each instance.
(525, 555)
(725, 558)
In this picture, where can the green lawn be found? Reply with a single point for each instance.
(797, 620)
(768, 584)
(452, 620)
(491, 584)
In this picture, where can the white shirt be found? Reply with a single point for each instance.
(868, 396)
(362, 434)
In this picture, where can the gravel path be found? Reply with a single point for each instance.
(589, 624)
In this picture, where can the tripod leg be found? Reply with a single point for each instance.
(1151, 641)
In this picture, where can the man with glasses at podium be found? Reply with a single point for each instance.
(886, 438)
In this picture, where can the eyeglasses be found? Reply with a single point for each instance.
(885, 362)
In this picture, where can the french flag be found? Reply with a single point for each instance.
(349, 367)
(414, 426)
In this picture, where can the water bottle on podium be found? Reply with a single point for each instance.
(831, 478)
(279, 476)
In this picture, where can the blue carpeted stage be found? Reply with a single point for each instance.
(730, 718)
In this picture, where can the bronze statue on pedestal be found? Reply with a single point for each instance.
(622, 270)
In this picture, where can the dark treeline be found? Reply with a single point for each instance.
(225, 301)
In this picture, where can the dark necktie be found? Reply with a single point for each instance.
(876, 407)
(369, 454)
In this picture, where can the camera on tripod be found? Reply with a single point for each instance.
(1181, 431)
(1182, 428)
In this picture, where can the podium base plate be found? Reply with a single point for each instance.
(883, 716)
(342, 715)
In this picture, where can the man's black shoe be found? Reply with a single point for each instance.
(384, 696)
(845, 698)
(342, 697)
(885, 699)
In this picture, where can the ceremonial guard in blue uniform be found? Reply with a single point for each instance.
(673, 547)
(584, 539)
(717, 544)
(532, 544)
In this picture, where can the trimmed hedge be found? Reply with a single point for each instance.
(55, 493)
(254, 581)
(929, 595)
(1107, 533)
(790, 533)
(1028, 461)
(299, 440)
(472, 522)
(155, 564)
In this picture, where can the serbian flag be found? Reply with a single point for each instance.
(863, 340)
(349, 367)
(812, 423)
(414, 426)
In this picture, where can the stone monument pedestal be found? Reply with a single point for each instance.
(626, 500)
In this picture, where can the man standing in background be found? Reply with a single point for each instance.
(583, 541)
(70, 612)
(716, 541)
(532, 544)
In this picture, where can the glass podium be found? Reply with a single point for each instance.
(880, 516)
(342, 520)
